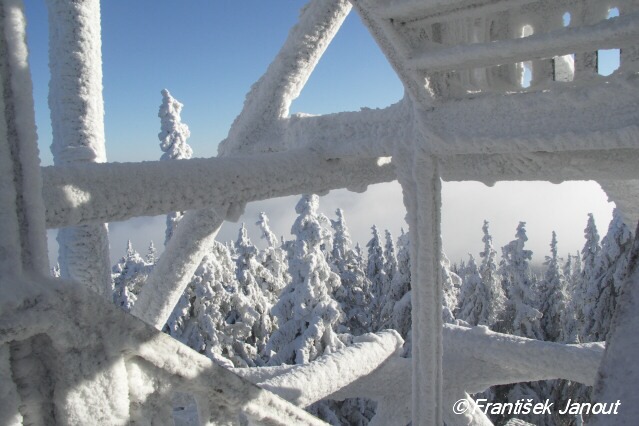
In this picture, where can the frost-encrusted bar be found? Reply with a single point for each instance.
(415, 9)
(600, 114)
(619, 164)
(101, 192)
(495, 358)
(326, 375)
(191, 241)
(421, 186)
(613, 33)
(77, 122)
(100, 324)
(271, 97)
(22, 206)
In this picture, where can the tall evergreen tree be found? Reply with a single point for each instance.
(397, 307)
(273, 258)
(354, 292)
(553, 297)
(129, 276)
(151, 254)
(376, 273)
(213, 316)
(451, 285)
(612, 269)
(252, 278)
(307, 313)
(474, 298)
(584, 295)
(491, 279)
(390, 266)
(173, 136)
(521, 318)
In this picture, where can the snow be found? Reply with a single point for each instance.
(173, 271)
(74, 317)
(159, 185)
(20, 148)
(617, 377)
(68, 354)
(271, 97)
(77, 120)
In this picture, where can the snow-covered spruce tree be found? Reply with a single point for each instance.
(129, 275)
(397, 307)
(553, 295)
(553, 305)
(151, 254)
(583, 298)
(612, 268)
(391, 259)
(307, 314)
(173, 136)
(492, 281)
(376, 273)
(354, 292)
(273, 258)
(213, 316)
(520, 317)
(252, 277)
(473, 307)
(451, 284)
(354, 298)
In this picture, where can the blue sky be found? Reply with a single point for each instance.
(209, 53)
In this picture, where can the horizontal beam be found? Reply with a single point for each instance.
(599, 114)
(95, 193)
(410, 10)
(556, 167)
(612, 33)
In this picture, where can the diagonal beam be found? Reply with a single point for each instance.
(270, 98)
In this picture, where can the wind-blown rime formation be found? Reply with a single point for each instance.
(173, 136)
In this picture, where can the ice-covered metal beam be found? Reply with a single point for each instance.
(77, 123)
(86, 193)
(271, 96)
(568, 117)
(610, 34)
(102, 192)
(411, 9)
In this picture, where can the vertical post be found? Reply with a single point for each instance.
(94, 389)
(23, 384)
(77, 120)
(421, 186)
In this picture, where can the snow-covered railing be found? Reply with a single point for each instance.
(614, 33)
(101, 192)
(148, 365)
(475, 359)
(309, 383)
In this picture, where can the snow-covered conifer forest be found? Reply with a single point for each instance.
(317, 328)
(288, 302)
